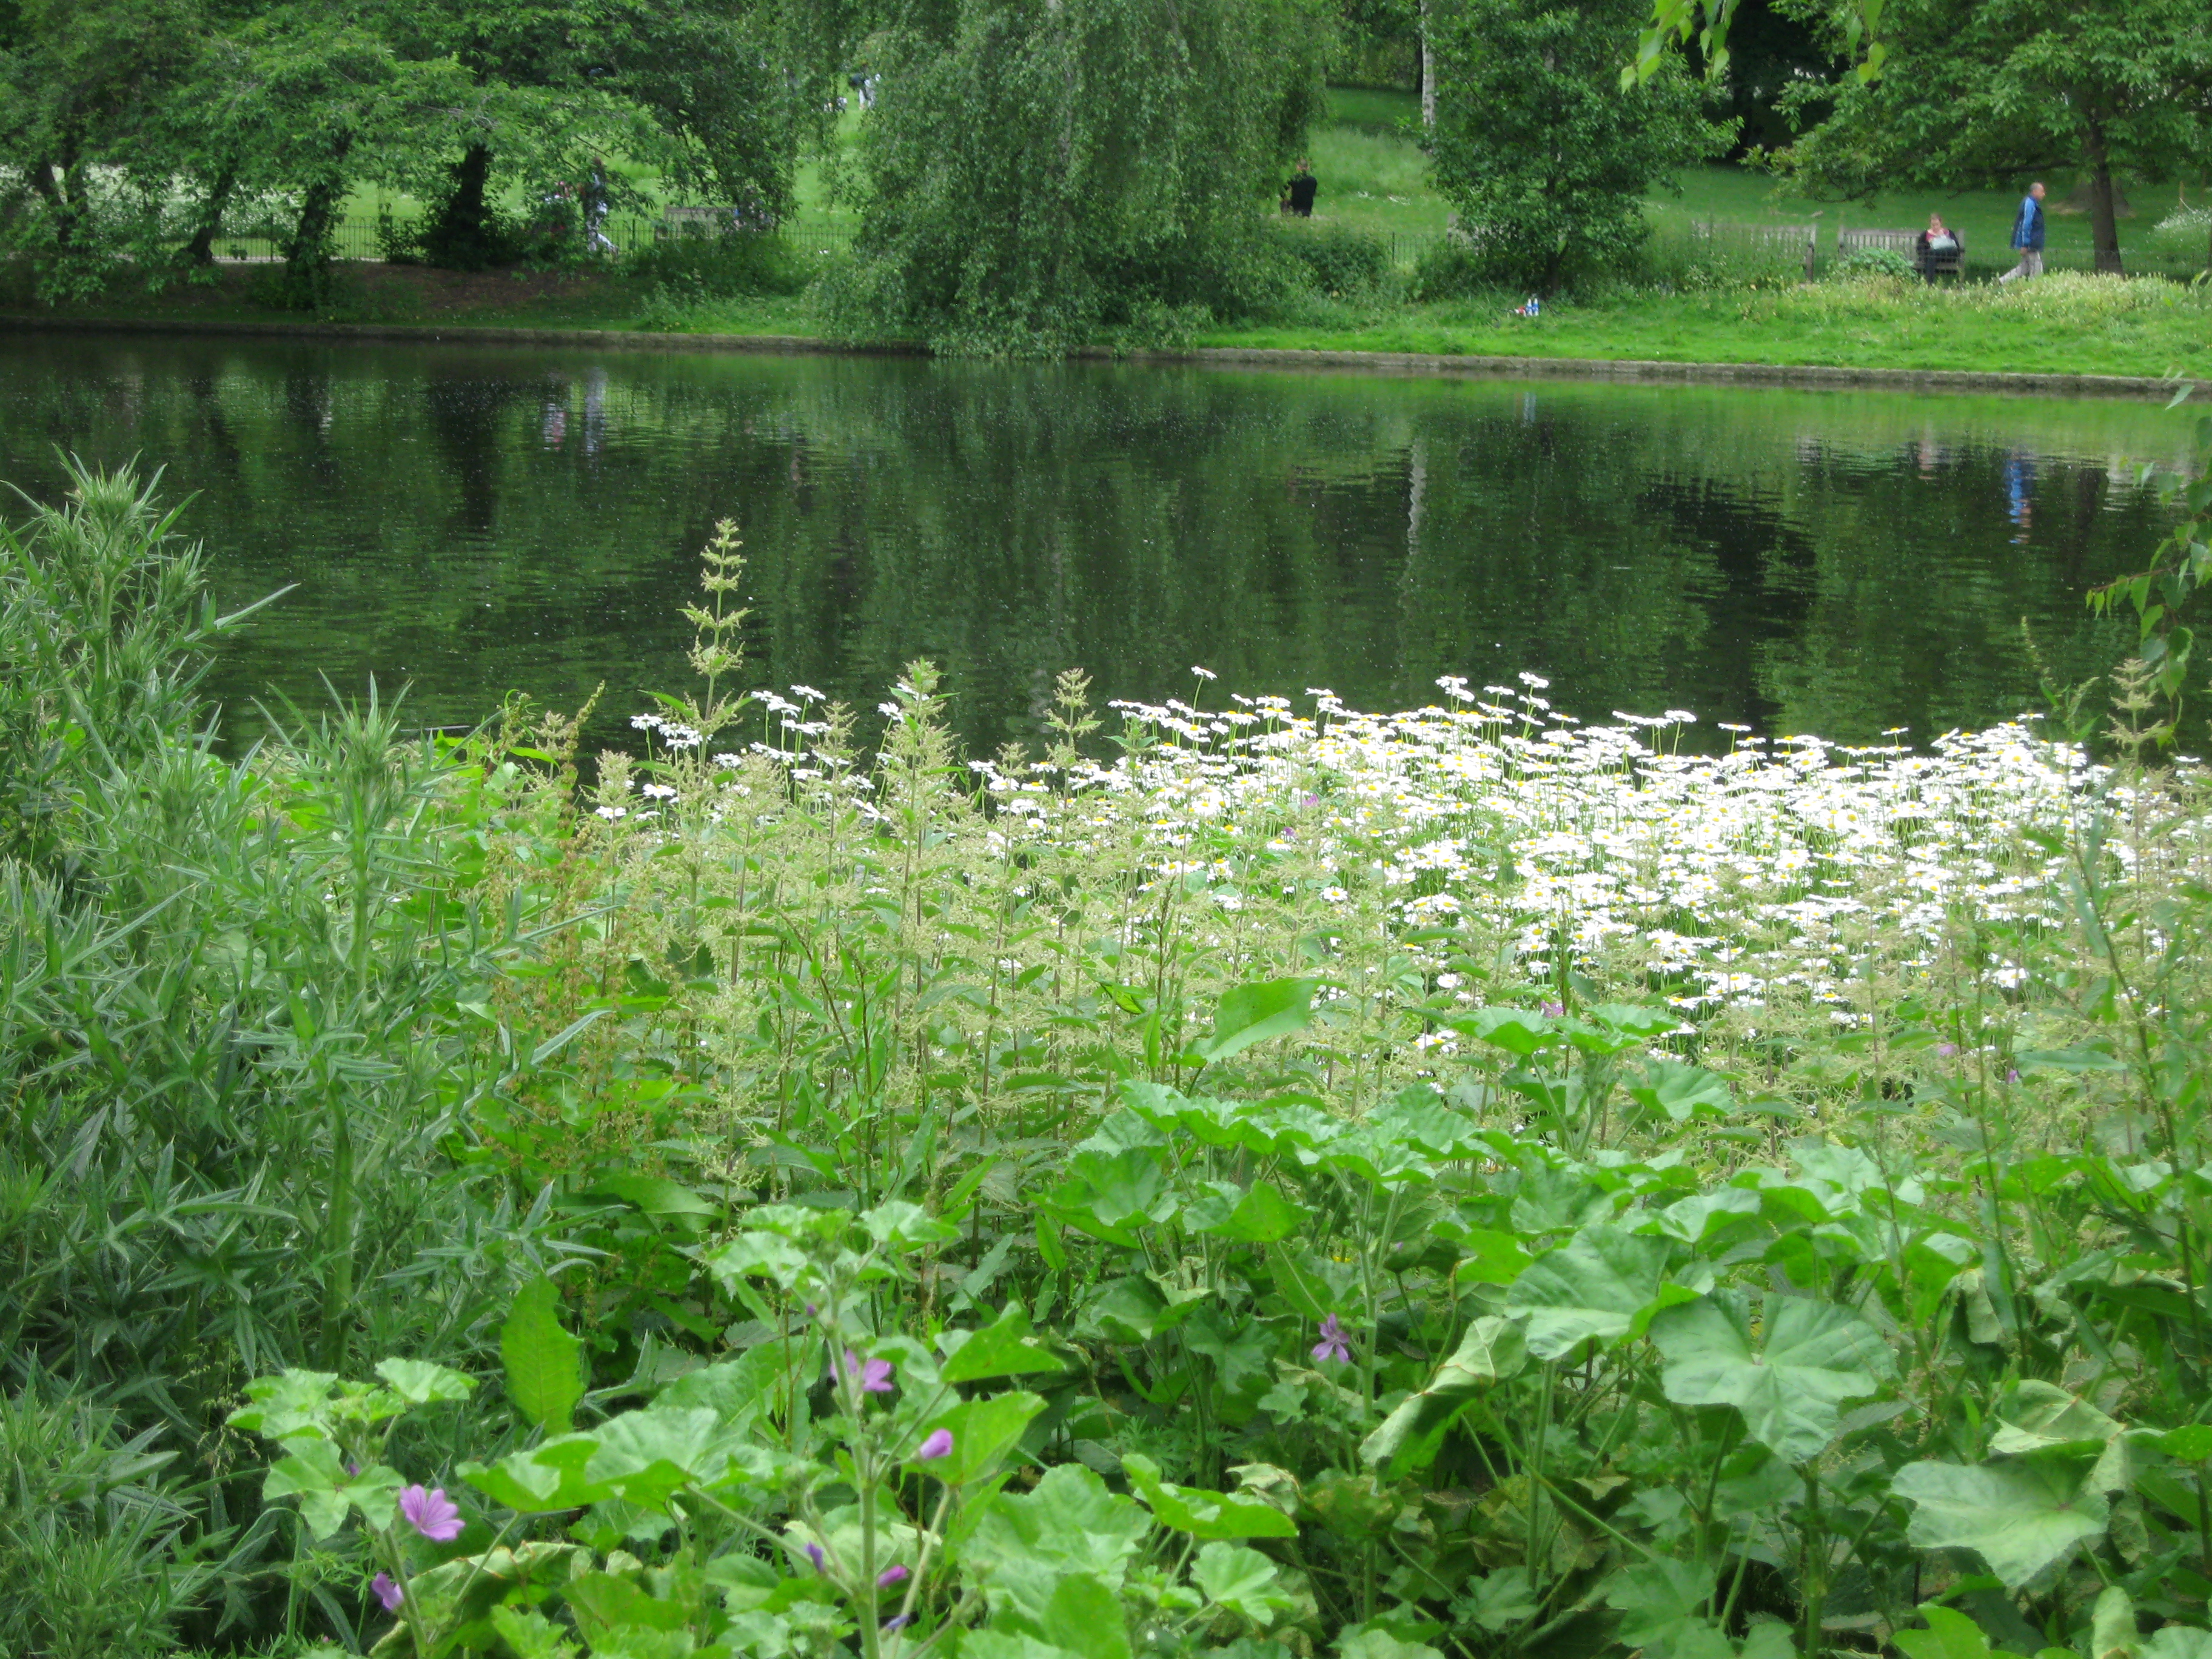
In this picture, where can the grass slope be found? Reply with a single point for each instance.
(2065, 324)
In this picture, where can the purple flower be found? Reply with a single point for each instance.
(899, 1623)
(814, 1554)
(1310, 800)
(874, 1375)
(1333, 1344)
(940, 1444)
(387, 1592)
(1553, 1010)
(890, 1576)
(431, 1513)
(1947, 1049)
(2013, 1076)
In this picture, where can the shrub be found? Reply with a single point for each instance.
(725, 267)
(1874, 262)
(1451, 269)
(1338, 262)
(88, 1567)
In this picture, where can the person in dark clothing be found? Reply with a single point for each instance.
(1299, 194)
(1937, 248)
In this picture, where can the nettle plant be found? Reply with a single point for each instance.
(841, 1487)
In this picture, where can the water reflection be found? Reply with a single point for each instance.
(472, 521)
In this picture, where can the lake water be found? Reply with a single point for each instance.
(468, 520)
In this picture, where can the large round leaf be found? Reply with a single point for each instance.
(1808, 1357)
(2019, 1515)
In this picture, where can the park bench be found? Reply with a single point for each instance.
(1906, 242)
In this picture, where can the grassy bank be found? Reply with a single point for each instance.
(2062, 325)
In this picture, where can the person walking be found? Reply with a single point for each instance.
(2028, 236)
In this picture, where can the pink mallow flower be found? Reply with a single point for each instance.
(890, 1576)
(940, 1444)
(1334, 1344)
(431, 1513)
(874, 1375)
(387, 1592)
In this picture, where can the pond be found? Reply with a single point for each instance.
(466, 520)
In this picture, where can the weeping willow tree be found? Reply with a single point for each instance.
(1038, 172)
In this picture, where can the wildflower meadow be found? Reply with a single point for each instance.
(1242, 1174)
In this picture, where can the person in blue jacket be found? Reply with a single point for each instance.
(2028, 236)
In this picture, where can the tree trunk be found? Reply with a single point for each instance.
(54, 186)
(200, 251)
(462, 237)
(311, 235)
(2104, 219)
(1428, 72)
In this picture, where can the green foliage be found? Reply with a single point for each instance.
(2000, 96)
(1038, 173)
(1097, 1210)
(1342, 264)
(724, 267)
(1877, 261)
(1545, 160)
(137, 128)
(89, 1566)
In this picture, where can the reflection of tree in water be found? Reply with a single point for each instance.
(496, 520)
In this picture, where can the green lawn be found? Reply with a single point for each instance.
(2064, 325)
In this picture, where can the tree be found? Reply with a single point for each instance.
(1992, 92)
(77, 81)
(716, 94)
(1543, 154)
(1039, 168)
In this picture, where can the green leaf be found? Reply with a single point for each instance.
(2037, 1416)
(2191, 1443)
(544, 1368)
(419, 1382)
(2020, 1516)
(1490, 1258)
(284, 1405)
(646, 1455)
(1372, 1642)
(653, 1194)
(1657, 1595)
(738, 1390)
(1241, 1579)
(1604, 1284)
(1492, 1350)
(1083, 1616)
(1002, 1348)
(1810, 1358)
(905, 1226)
(1261, 1216)
(544, 1477)
(1253, 1013)
(1071, 1524)
(2177, 1642)
(1681, 1092)
(1204, 1514)
(1516, 1031)
(983, 1432)
(1950, 1635)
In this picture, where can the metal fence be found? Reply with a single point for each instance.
(1800, 246)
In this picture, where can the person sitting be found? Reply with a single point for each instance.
(1299, 194)
(1937, 248)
